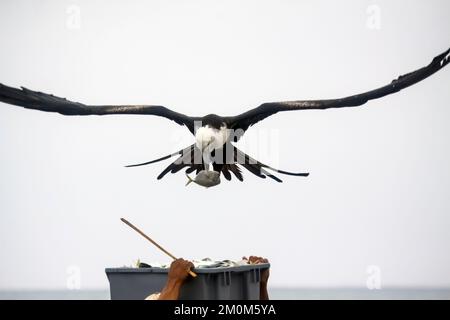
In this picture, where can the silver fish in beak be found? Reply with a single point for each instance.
(205, 178)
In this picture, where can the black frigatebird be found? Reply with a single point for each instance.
(214, 134)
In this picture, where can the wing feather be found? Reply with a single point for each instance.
(249, 118)
(46, 102)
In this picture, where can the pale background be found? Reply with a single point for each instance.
(378, 193)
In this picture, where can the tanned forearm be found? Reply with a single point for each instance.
(171, 290)
(263, 293)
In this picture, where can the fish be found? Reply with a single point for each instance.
(205, 178)
(200, 264)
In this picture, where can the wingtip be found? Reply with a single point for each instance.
(442, 60)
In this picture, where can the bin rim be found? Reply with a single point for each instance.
(241, 268)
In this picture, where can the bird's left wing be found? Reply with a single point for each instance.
(249, 118)
(46, 102)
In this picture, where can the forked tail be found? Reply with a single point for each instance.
(190, 180)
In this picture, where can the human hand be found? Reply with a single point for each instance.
(179, 270)
(265, 272)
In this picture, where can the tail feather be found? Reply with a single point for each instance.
(258, 168)
(182, 151)
(226, 173)
(168, 169)
(187, 159)
(236, 171)
(190, 170)
(177, 168)
(297, 174)
(253, 169)
(271, 175)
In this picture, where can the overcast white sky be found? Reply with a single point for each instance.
(378, 193)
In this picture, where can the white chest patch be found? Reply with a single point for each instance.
(208, 139)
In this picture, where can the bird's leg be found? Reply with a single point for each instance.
(207, 152)
(206, 160)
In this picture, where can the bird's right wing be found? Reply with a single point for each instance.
(249, 118)
(46, 102)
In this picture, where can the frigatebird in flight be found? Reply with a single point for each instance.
(215, 134)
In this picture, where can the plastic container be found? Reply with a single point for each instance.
(240, 283)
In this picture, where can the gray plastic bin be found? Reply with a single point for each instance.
(240, 283)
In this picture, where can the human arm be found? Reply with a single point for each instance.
(177, 275)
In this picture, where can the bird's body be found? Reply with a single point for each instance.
(208, 138)
(215, 135)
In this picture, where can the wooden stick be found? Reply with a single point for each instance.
(193, 274)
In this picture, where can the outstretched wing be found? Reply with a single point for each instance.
(249, 118)
(46, 102)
